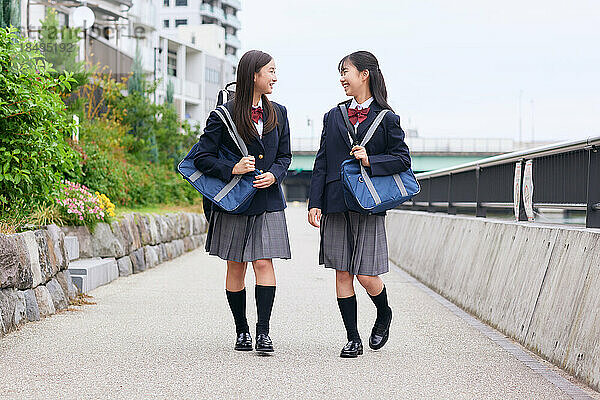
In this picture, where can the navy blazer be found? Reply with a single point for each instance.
(272, 154)
(387, 151)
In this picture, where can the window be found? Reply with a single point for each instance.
(166, 23)
(166, 3)
(213, 76)
(179, 22)
(180, 3)
(172, 63)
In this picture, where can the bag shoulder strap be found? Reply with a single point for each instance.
(351, 129)
(373, 127)
(225, 116)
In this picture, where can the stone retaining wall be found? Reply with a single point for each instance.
(34, 280)
(141, 241)
(536, 283)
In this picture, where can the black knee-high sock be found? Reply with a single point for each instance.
(348, 309)
(237, 303)
(265, 295)
(383, 309)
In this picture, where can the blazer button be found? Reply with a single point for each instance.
(260, 156)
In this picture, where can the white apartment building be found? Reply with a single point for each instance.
(194, 58)
(177, 13)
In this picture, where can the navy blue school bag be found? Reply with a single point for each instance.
(368, 194)
(234, 196)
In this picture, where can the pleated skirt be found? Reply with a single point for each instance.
(244, 238)
(354, 242)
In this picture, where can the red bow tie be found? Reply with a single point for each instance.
(357, 115)
(257, 114)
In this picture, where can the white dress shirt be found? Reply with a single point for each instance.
(259, 125)
(364, 104)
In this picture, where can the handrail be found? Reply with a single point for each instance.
(515, 156)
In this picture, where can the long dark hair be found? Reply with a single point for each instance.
(249, 64)
(364, 60)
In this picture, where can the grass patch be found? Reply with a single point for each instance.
(161, 208)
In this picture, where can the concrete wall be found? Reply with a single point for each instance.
(537, 284)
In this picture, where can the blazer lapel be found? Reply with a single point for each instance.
(342, 128)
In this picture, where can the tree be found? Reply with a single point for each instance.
(10, 13)
(60, 47)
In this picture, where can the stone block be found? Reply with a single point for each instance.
(125, 266)
(150, 256)
(188, 243)
(20, 315)
(15, 265)
(59, 299)
(8, 303)
(47, 258)
(179, 246)
(84, 237)
(66, 283)
(44, 301)
(57, 243)
(126, 231)
(137, 260)
(32, 310)
(72, 247)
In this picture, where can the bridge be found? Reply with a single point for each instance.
(427, 154)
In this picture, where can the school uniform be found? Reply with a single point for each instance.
(351, 241)
(261, 231)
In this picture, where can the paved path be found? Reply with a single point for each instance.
(167, 333)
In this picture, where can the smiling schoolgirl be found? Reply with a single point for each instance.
(351, 243)
(260, 233)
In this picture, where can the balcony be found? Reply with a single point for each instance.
(192, 89)
(233, 41)
(232, 20)
(212, 12)
(237, 4)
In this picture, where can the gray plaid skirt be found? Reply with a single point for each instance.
(354, 242)
(244, 238)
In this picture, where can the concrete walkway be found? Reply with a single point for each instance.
(167, 333)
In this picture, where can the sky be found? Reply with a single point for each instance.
(452, 68)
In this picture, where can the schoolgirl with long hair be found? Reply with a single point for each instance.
(354, 244)
(259, 234)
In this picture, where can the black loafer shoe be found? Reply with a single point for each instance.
(352, 349)
(380, 333)
(243, 342)
(263, 343)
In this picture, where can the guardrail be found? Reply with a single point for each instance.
(562, 176)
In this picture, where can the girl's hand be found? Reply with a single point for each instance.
(360, 153)
(314, 217)
(264, 180)
(245, 165)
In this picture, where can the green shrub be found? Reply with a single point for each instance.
(34, 155)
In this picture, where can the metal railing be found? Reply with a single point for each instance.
(565, 176)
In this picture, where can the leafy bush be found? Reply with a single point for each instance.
(34, 155)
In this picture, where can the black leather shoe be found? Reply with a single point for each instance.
(352, 349)
(380, 333)
(263, 343)
(243, 342)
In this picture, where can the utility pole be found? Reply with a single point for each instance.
(520, 117)
(532, 123)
